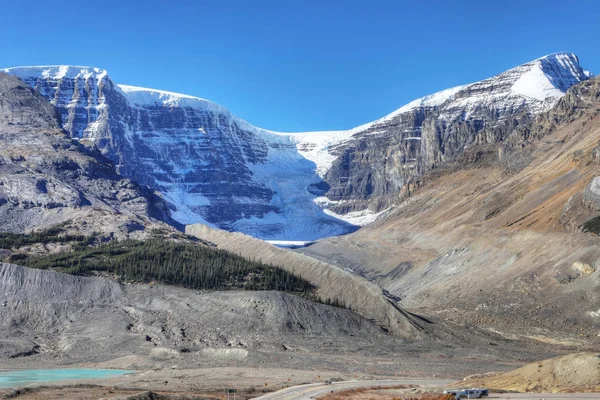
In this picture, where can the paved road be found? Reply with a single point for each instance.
(317, 389)
(547, 396)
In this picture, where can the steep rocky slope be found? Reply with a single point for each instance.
(215, 168)
(46, 178)
(501, 236)
(572, 373)
(381, 158)
(333, 284)
(78, 317)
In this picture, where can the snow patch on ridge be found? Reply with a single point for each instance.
(148, 97)
(358, 218)
(317, 146)
(432, 100)
(184, 204)
(56, 72)
(550, 77)
(535, 84)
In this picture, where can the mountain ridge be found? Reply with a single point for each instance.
(511, 248)
(67, 70)
(216, 168)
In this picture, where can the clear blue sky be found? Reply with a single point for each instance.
(299, 65)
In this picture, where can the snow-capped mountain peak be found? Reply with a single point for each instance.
(550, 76)
(56, 72)
(216, 168)
(535, 85)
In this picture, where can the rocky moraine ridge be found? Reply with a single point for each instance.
(215, 168)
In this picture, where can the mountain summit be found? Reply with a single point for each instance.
(215, 168)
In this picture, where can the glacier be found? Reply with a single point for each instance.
(215, 168)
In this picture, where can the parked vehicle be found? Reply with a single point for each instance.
(472, 393)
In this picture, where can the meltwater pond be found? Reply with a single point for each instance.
(11, 379)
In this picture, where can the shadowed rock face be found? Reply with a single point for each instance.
(21, 109)
(213, 167)
(47, 178)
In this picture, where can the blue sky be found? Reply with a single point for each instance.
(299, 65)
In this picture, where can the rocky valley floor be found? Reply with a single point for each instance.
(184, 341)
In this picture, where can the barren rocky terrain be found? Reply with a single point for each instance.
(63, 320)
(185, 338)
(509, 245)
(572, 373)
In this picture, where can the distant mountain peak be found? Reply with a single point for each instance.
(56, 71)
(549, 77)
(560, 55)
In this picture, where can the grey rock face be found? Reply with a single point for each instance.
(162, 147)
(214, 168)
(152, 144)
(381, 159)
(591, 195)
(210, 166)
(21, 109)
(192, 152)
(47, 178)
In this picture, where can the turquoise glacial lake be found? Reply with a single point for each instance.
(11, 379)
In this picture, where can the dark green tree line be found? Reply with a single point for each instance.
(184, 264)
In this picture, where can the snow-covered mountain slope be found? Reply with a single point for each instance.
(380, 158)
(533, 87)
(209, 165)
(215, 168)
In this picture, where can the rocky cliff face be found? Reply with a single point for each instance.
(46, 178)
(381, 158)
(215, 168)
(210, 166)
